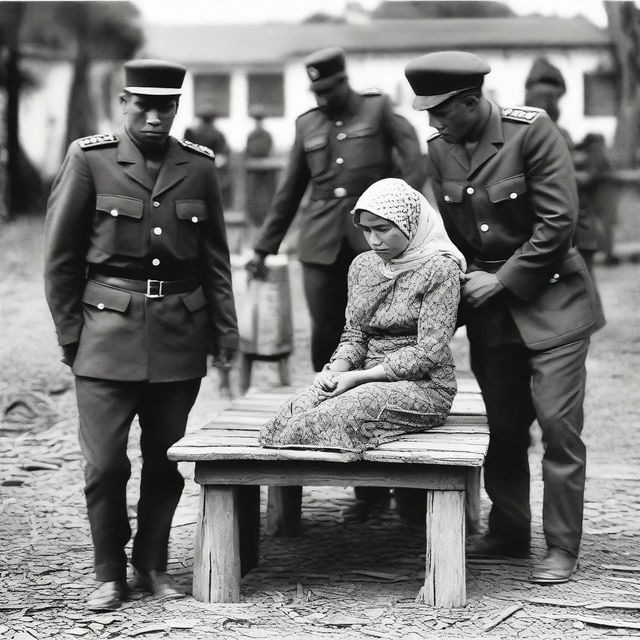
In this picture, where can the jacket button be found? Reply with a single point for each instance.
(155, 262)
(339, 192)
(470, 190)
(447, 199)
(157, 231)
(194, 219)
(339, 160)
(100, 305)
(484, 227)
(513, 195)
(341, 136)
(339, 123)
(114, 213)
(155, 203)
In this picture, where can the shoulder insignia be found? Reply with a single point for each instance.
(198, 148)
(521, 114)
(99, 140)
(372, 91)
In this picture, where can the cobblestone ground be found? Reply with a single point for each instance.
(339, 579)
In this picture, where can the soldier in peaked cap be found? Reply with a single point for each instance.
(342, 146)
(505, 186)
(138, 282)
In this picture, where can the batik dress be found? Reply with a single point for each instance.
(403, 323)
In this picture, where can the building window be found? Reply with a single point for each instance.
(601, 94)
(266, 93)
(211, 94)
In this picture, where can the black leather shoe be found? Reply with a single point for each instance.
(107, 597)
(491, 546)
(558, 566)
(158, 583)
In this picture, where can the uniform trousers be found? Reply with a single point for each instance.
(519, 385)
(325, 288)
(106, 409)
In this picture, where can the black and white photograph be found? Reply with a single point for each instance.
(319, 319)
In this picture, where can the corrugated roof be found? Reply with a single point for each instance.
(269, 43)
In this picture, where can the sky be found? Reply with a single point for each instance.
(235, 11)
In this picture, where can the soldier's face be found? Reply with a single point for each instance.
(332, 99)
(384, 237)
(148, 119)
(454, 119)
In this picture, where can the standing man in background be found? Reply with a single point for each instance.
(504, 182)
(138, 282)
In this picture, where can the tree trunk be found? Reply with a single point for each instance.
(81, 120)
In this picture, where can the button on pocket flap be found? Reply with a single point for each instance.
(102, 297)
(119, 205)
(508, 189)
(313, 143)
(194, 210)
(571, 263)
(452, 191)
(195, 300)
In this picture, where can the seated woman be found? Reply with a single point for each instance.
(393, 371)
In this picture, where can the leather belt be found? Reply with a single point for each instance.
(151, 288)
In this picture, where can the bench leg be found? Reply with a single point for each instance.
(246, 364)
(283, 370)
(249, 497)
(216, 565)
(472, 495)
(444, 578)
(283, 511)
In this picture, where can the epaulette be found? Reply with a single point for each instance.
(311, 110)
(372, 91)
(198, 148)
(521, 114)
(99, 140)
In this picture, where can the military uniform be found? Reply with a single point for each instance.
(338, 158)
(510, 205)
(137, 275)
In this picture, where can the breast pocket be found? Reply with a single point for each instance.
(118, 226)
(190, 214)
(316, 150)
(362, 147)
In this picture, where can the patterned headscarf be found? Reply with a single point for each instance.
(394, 200)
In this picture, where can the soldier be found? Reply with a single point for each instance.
(345, 144)
(504, 183)
(341, 147)
(138, 283)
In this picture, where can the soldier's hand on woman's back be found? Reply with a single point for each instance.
(256, 266)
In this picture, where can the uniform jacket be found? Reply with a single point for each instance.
(512, 209)
(339, 159)
(106, 212)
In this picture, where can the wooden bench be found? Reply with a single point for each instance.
(231, 466)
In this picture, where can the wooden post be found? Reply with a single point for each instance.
(216, 564)
(283, 511)
(472, 495)
(444, 578)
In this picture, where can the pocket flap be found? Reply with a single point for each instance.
(452, 191)
(194, 300)
(119, 205)
(103, 297)
(314, 143)
(194, 210)
(359, 132)
(508, 189)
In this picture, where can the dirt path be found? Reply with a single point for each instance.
(319, 585)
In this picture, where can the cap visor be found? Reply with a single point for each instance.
(327, 83)
(420, 103)
(154, 91)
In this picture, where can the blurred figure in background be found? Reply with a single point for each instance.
(206, 133)
(544, 87)
(261, 171)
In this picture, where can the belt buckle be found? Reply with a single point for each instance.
(154, 289)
